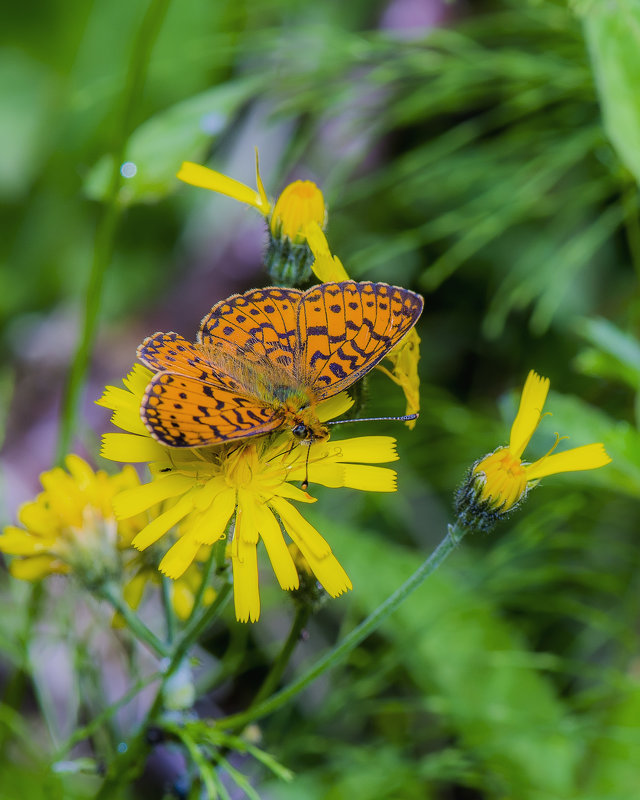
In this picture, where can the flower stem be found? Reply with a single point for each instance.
(279, 665)
(108, 221)
(357, 635)
(134, 623)
(167, 603)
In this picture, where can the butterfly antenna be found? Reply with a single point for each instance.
(406, 418)
(305, 483)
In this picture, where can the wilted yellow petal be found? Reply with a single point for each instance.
(197, 175)
(529, 413)
(133, 590)
(590, 456)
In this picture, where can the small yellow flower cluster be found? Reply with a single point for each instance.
(71, 527)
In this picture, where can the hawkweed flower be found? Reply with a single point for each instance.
(500, 481)
(288, 258)
(71, 526)
(245, 488)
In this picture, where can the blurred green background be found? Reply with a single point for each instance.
(486, 154)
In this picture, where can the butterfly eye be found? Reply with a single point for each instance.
(300, 431)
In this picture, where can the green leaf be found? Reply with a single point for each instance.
(612, 30)
(158, 147)
(616, 354)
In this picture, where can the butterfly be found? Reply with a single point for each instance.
(263, 360)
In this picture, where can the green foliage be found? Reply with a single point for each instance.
(491, 163)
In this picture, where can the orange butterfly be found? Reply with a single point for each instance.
(265, 358)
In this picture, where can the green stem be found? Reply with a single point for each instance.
(167, 603)
(108, 221)
(279, 665)
(206, 576)
(368, 626)
(126, 765)
(134, 623)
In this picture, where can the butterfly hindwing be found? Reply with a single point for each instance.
(170, 352)
(346, 328)
(257, 325)
(181, 411)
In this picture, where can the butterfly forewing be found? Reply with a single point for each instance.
(259, 324)
(346, 328)
(181, 411)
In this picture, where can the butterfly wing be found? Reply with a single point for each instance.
(170, 352)
(259, 325)
(346, 328)
(183, 411)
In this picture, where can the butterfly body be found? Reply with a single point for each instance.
(264, 359)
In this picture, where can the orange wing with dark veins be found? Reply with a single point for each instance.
(258, 325)
(182, 411)
(170, 352)
(346, 328)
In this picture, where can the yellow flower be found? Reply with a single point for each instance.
(70, 526)
(499, 481)
(300, 203)
(246, 487)
(404, 359)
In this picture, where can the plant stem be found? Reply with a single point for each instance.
(368, 626)
(301, 618)
(131, 761)
(108, 221)
(135, 624)
(167, 604)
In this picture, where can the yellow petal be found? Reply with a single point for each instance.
(212, 523)
(529, 413)
(133, 501)
(369, 479)
(277, 549)
(299, 529)
(334, 407)
(33, 569)
(18, 542)
(206, 178)
(133, 590)
(160, 525)
(326, 266)
(131, 448)
(246, 594)
(364, 449)
(126, 409)
(264, 200)
(327, 570)
(182, 599)
(590, 456)
(179, 557)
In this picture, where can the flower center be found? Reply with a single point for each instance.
(240, 467)
(502, 477)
